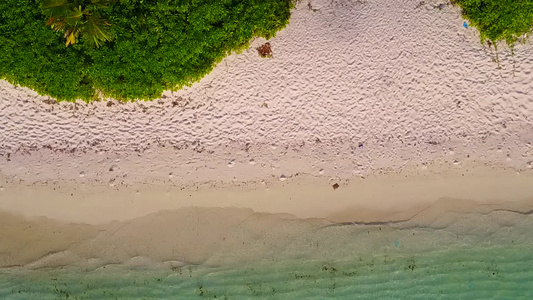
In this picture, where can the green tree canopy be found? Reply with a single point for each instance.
(499, 19)
(145, 46)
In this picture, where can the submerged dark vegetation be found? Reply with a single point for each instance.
(136, 49)
(126, 49)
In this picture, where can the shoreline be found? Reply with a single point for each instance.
(89, 226)
(376, 198)
(168, 228)
(401, 107)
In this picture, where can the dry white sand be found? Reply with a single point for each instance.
(399, 105)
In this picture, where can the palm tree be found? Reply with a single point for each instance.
(75, 20)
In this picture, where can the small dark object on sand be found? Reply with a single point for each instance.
(335, 186)
(265, 50)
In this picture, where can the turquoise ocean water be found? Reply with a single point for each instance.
(467, 256)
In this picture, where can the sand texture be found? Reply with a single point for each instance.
(395, 102)
(354, 87)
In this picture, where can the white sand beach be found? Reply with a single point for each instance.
(397, 103)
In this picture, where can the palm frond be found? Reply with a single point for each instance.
(50, 4)
(96, 30)
(74, 16)
(70, 35)
(59, 8)
(76, 20)
(102, 3)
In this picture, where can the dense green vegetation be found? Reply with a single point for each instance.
(126, 49)
(498, 20)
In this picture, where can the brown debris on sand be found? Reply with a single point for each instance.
(265, 50)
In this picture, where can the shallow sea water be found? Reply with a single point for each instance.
(466, 256)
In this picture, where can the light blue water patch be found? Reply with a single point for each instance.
(476, 273)
(475, 257)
